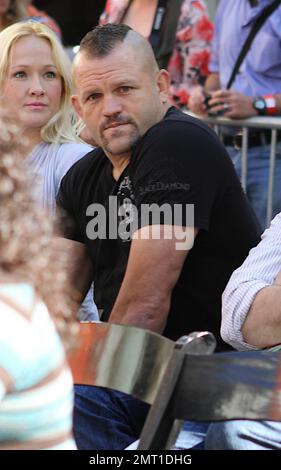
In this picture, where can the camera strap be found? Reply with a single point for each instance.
(251, 36)
(163, 34)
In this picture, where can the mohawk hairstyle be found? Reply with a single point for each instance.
(101, 40)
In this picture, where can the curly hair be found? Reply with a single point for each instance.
(25, 239)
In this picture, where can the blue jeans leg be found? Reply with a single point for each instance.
(192, 435)
(257, 178)
(105, 419)
(244, 435)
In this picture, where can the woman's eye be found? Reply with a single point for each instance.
(50, 74)
(20, 74)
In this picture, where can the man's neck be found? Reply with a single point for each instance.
(119, 164)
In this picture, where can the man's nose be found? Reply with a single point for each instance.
(111, 106)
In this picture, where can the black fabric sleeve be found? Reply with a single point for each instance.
(66, 224)
(179, 164)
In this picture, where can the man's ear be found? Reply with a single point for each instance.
(76, 105)
(163, 84)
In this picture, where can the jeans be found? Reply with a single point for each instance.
(192, 436)
(108, 420)
(257, 178)
(230, 435)
(105, 419)
(244, 435)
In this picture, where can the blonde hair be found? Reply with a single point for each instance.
(61, 128)
(26, 232)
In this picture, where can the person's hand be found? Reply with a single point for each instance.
(196, 102)
(232, 104)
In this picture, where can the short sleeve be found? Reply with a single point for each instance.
(258, 271)
(67, 155)
(66, 224)
(177, 166)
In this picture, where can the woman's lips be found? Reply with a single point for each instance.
(36, 105)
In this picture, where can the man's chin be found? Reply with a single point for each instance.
(119, 148)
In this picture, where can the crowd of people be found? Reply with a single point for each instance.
(255, 91)
(75, 213)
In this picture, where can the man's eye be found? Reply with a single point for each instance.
(125, 89)
(93, 97)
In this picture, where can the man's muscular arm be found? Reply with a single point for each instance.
(153, 269)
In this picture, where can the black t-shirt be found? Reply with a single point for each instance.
(178, 161)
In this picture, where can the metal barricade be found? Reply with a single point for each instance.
(271, 123)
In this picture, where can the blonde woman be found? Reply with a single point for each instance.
(36, 392)
(35, 83)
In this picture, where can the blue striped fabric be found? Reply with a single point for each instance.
(259, 270)
(37, 412)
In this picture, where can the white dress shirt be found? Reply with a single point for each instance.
(259, 270)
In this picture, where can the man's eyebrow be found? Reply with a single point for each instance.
(119, 83)
(125, 81)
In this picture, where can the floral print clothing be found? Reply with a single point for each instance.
(188, 65)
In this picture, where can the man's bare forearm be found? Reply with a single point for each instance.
(262, 327)
(153, 269)
(148, 311)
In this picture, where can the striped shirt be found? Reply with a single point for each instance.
(50, 163)
(259, 270)
(36, 392)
